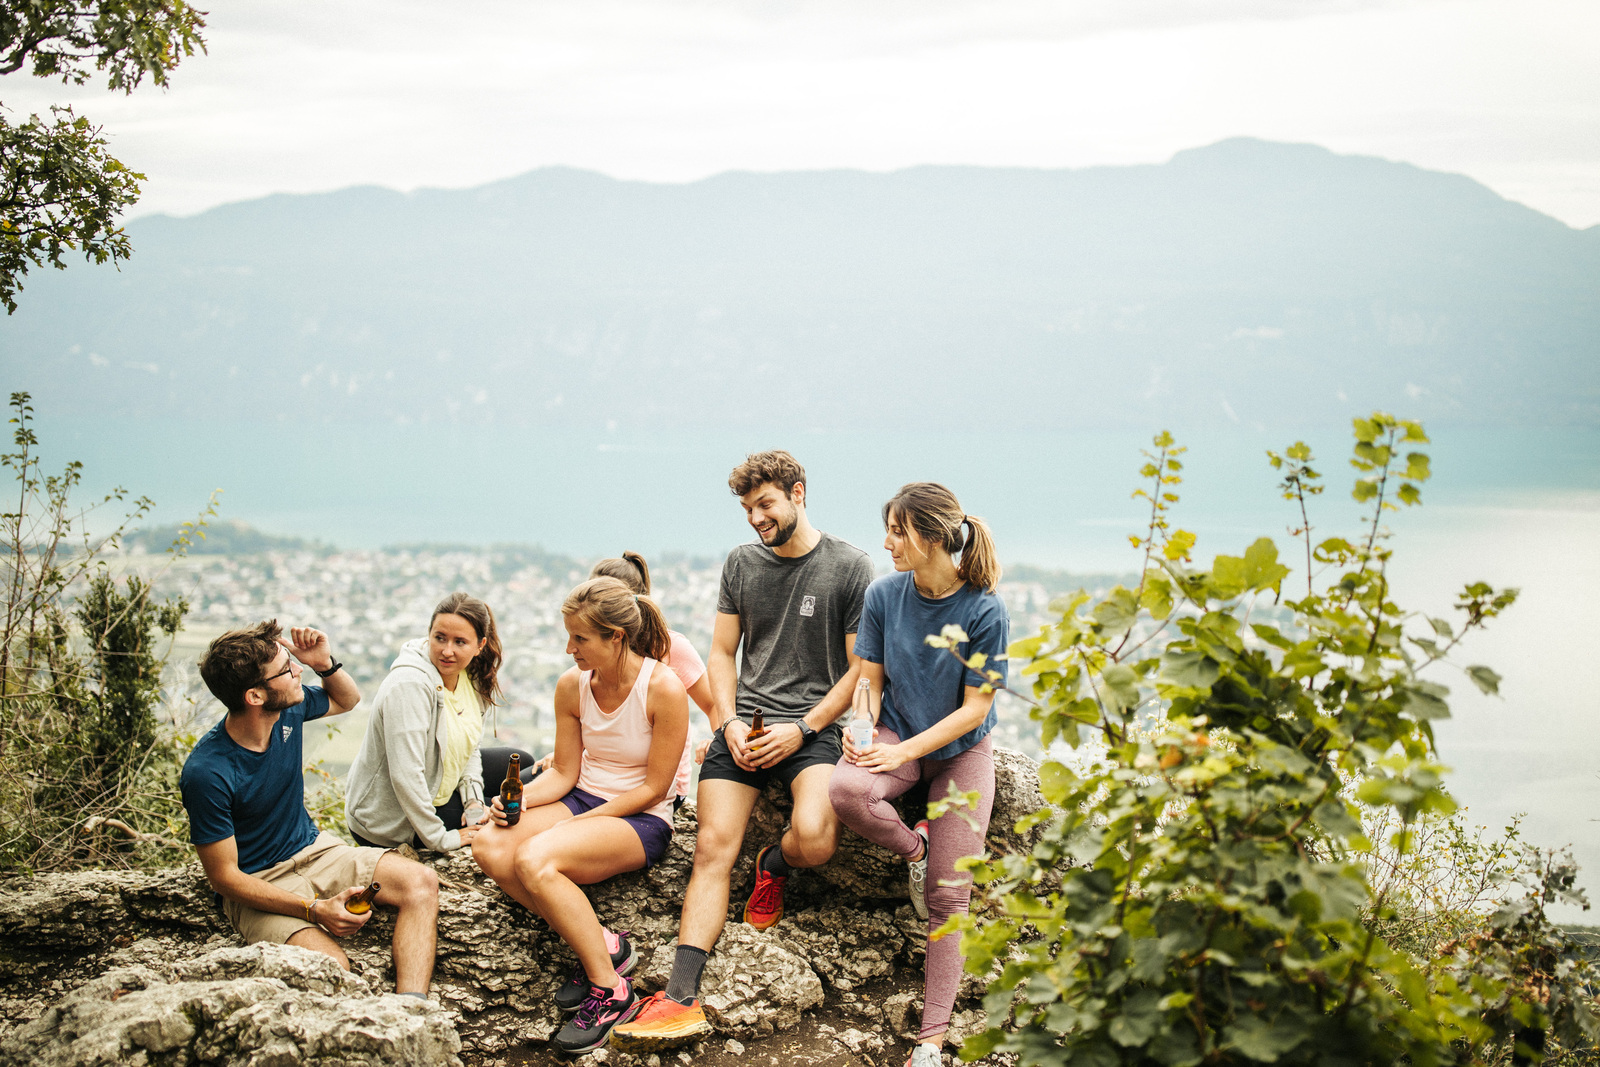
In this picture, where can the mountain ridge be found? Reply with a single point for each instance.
(1242, 275)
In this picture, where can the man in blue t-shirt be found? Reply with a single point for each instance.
(281, 879)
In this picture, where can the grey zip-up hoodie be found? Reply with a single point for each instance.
(388, 796)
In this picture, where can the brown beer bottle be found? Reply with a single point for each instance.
(511, 790)
(361, 903)
(756, 729)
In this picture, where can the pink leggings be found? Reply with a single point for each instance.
(862, 798)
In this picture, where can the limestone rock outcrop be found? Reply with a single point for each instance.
(85, 958)
(261, 1006)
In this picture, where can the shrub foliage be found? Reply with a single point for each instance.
(1202, 892)
(88, 772)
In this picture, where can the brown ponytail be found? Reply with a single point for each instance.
(485, 666)
(631, 570)
(606, 605)
(935, 514)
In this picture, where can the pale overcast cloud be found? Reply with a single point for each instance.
(304, 95)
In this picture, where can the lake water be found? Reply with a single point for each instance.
(1515, 507)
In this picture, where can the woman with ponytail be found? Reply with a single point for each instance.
(933, 718)
(605, 804)
(418, 777)
(632, 571)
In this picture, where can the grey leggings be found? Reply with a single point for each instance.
(861, 800)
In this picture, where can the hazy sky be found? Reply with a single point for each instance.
(302, 95)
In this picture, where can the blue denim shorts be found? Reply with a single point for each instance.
(655, 833)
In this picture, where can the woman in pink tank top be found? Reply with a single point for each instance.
(605, 804)
(632, 571)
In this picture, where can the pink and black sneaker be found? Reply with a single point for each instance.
(591, 1027)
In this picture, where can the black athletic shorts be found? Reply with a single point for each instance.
(826, 748)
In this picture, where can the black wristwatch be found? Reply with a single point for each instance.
(333, 668)
(807, 734)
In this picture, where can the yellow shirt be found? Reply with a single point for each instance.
(463, 714)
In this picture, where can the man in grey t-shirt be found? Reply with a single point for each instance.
(794, 601)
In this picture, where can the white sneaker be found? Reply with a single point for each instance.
(919, 890)
(925, 1056)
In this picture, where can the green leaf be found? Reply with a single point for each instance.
(1193, 669)
(1157, 595)
(1336, 818)
(1261, 567)
(1138, 1022)
(1149, 959)
(1485, 679)
(1122, 684)
(1425, 700)
(1265, 1041)
(1056, 781)
(1228, 577)
(1175, 1046)
(1178, 545)
(981, 1044)
(1133, 1029)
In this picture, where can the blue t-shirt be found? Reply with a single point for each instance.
(921, 684)
(256, 798)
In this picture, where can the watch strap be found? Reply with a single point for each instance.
(333, 668)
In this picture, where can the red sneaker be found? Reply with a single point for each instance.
(765, 906)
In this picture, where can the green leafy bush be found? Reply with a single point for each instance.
(88, 772)
(1202, 892)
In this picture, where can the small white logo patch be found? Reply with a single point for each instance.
(808, 606)
(287, 730)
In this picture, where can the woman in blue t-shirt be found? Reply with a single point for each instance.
(933, 717)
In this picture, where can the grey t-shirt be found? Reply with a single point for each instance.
(794, 615)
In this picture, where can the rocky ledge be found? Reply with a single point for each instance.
(140, 967)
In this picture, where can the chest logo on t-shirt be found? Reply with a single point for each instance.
(808, 606)
(287, 730)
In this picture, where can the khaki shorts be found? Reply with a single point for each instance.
(323, 868)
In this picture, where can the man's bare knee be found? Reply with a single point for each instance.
(813, 848)
(314, 939)
(407, 884)
(716, 853)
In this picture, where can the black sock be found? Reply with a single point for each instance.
(773, 862)
(684, 985)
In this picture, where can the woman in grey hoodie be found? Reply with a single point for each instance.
(418, 778)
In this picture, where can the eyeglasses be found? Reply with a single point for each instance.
(288, 669)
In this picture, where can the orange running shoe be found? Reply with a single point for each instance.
(660, 1023)
(765, 906)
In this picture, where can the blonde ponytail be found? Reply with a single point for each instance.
(980, 565)
(630, 569)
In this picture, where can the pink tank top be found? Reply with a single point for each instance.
(684, 661)
(616, 746)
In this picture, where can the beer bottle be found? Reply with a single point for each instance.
(361, 903)
(756, 729)
(511, 790)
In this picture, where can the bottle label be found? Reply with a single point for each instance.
(511, 806)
